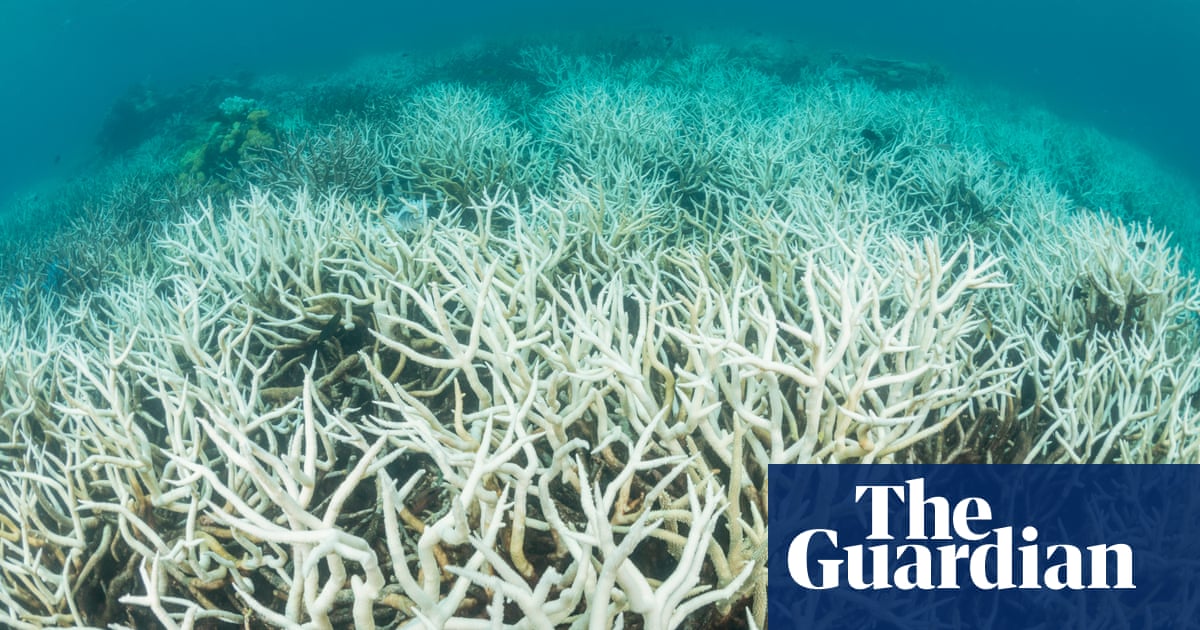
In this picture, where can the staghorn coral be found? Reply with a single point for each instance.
(551, 402)
(310, 418)
(347, 159)
(482, 423)
(460, 143)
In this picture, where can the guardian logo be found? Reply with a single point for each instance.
(900, 546)
(985, 557)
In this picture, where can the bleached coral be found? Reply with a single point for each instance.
(553, 401)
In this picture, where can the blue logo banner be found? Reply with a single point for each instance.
(984, 546)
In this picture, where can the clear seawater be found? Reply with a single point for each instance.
(1128, 67)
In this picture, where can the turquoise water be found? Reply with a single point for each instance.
(1128, 67)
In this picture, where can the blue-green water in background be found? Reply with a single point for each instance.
(1128, 68)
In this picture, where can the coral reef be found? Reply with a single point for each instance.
(131, 120)
(522, 358)
(241, 128)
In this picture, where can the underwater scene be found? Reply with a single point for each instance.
(505, 332)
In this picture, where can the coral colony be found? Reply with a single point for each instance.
(508, 338)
